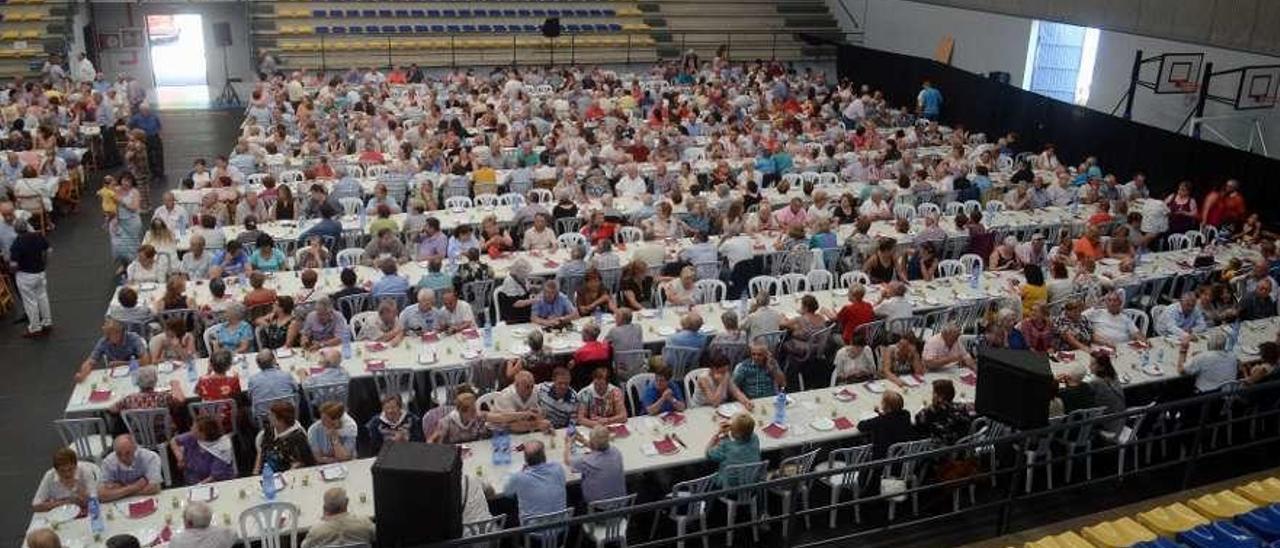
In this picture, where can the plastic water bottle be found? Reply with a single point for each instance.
(133, 369)
(598, 317)
(96, 525)
(346, 343)
(1234, 337)
(363, 218)
(780, 408)
(268, 481)
(1146, 359)
(488, 336)
(974, 276)
(572, 429)
(192, 374)
(498, 446)
(742, 307)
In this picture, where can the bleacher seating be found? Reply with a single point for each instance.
(30, 30)
(1248, 515)
(367, 33)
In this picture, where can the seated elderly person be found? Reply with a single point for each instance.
(69, 481)
(422, 316)
(333, 437)
(455, 315)
(539, 236)
(759, 376)
(553, 309)
(661, 395)
(1212, 367)
(944, 349)
(229, 261)
(126, 308)
(234, 334)
(331, 371)
(323, 326)
(557, 399)
(204, 454)
(1182, 319)
(393, 424)
(198, 532)
(601, 468)
(338, 527)
(1111, 326)
(130, 470)
(1258, 303)
(147, 397)
(593, 352)
(601, 403)
(516, 407)
(283, 443)
(116, 347)
(690, 334)
(465, 422)
(735, 443)
(539, 487)
(385, 245)
(680, 291)
(385, 327)
(391, 284)
(269, 383)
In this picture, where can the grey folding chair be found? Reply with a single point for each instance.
(733, 352)
(396, 381)
(87, 436)
(684, 514)
(319, 394)
(849, 461)
(478, 294)
(268, 522)
(628, 363)
(445, 379)
(608, 530)
(484, 527)
(553, 537)
(152, 428)
(680, 358)
(742, 475)
(218, 409)
(792, 466)
(772, 340)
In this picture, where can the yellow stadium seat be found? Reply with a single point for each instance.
(9, 35)
(1068, 539)
(1120, 533)
(32, 34)
(1221, 505)
(1265, 491)
(1168, 521)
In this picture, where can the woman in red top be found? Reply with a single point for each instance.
(854, 314)
(218, 385)
(1224, 206)
(598, 228)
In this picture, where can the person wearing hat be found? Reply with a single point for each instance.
(29, 254)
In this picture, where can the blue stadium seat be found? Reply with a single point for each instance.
(417, 14)
(540, 13)
(402, 13)
(484, 28)
(571, 28)
(453, 29)
(437, 29)
(339, 30)
(368, 13)
(614, 27)
(449, 13)
(322, 30)
(1263, 522)
(596, 13)
(353, 13)
(1219, 534)
(385, 13)
(357, 29)
(508, 13)
(421, 28)
(524, 13)
(372, 29)
(554, 13)
(433, 13)
(464, 13)
(319, 13)
(481, 13)
(531, 28)
(406, 29)
(609, 12)
(1158, 543)
(495, 13)
(468, 28)
(335, 13)
(500, 29)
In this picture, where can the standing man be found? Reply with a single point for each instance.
(30, 253)
(85, 72)
(149, 123)
(929, 101)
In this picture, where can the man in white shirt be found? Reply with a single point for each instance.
(1213, 367)
(174, 216)
(702, 251)
(876, 209)
(455, 315)
(1110, 325)
(736, 248)
(198, 532)
(1182, 318)
(540, 236)
(84, 70)
(631, 184)
(944, 349)
(516, 406)
(130, 470)
(893, 303)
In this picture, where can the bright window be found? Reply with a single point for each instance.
(1060, 61)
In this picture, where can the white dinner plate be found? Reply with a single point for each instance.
(333, 473)
(63, 514)
(519, 349)
(1153, 370)
(470, 354)
(728, 410)
(165, 367)
(562, 345)
(147, 286)
(875, 387)
(459, 210)
(666, 330)
(822, 424)
(519, 332)
(648, 313)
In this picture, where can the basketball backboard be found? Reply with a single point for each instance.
(1258, 87)
(1179, 73)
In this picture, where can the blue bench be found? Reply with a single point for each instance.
(1263, 522)
(1219, 534)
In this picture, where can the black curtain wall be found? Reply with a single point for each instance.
(1122, 146)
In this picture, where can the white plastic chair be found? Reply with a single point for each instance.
(628, 234)
(951, 267)
(846, 459)
(972, 262)
(608, 530)
(758, 284)
(708, 291)
(571, 240)
(792, 283)
(819, 280)
(1139, 318)
(904, 211)
(634, 390)
(547, 538)
(953, 208)
(89, 437)
(1178, 242)
(682, 515)
(456, 202)
(849, 278)
(797, 465)
(349, 257)
(743, 475)
(351, 206)
(541, 196)
(511, 199)
(486, 200)
(995, 206)
(271, 521)
(926, 208)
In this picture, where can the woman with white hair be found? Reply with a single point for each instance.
(515, 295)
(235, 334)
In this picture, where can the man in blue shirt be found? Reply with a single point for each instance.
(662, 395)
(929, 102)
(421, 317)
(539, 487)
(327, 228)
(392, 284)
(759, 376)
(268, 383)
(229, 261)
(553, 309)
(690, 333)
(116, 347)
(1183, 318)
(149, 123)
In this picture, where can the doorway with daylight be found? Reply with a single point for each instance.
(178, 60)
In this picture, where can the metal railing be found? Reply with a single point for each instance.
(1189, 425)
(453, 50)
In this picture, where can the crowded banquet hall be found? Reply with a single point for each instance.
(707, 299)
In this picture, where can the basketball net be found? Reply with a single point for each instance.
(1189, 90)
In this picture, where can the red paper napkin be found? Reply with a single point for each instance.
(142, 508)
(375, 365)
(375, 347)
(315, 370)
(775, 431)
(843, 423)
(100, 395)
(1064, 356)
(550, 263)
(673, 418)
(918, 378)
(619, 430)
(970, 380)
(471, 333)
(665, 446)
(166, 535)
(430, 336)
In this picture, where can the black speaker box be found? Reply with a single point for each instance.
(222, 34)
(551, 27)
(1014, 387)
(408, 477)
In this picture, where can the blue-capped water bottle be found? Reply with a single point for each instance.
(346, 342)
(974, 276)
(192, 374)
(598, 316)
(780, 407)
(268, 481)
(364, 217)
(133, 369)
(96, 525)
(488, 336)
(1234, 337)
